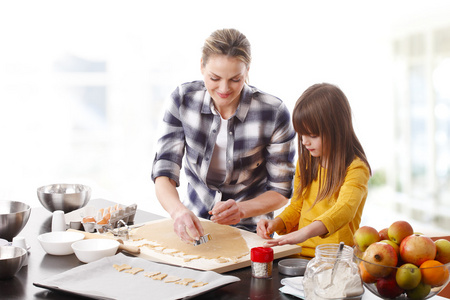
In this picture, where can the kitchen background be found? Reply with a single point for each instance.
(83, 86)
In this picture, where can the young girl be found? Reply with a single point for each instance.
(330, 185)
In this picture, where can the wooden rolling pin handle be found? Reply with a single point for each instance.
(128, 248)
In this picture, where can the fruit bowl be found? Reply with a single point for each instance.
(421, 282)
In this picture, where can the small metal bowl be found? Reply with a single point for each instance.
(292, 266)
(14, 216)
(11, 261)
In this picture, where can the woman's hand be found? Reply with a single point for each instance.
(226, 212)
(187, 226)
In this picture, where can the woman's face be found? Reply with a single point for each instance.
(224, 79)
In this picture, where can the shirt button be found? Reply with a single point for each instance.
(207, 158)
(231, 133)
(214, 131)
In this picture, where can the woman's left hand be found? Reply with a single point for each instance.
(226, 213)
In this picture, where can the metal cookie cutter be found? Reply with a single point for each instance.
(121, 231)
(203, 239)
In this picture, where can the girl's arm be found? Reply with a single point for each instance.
(316, 228)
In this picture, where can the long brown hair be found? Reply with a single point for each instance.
(324, 111)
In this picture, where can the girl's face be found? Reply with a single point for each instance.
(313, 143)
(224, 79)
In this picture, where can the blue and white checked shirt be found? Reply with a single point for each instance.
(260, 149)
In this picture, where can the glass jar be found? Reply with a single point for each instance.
(346, 282)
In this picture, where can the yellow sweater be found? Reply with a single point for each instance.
(341, 214)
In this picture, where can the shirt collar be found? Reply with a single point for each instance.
(243, 107)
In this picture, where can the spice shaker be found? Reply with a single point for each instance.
(262, 262)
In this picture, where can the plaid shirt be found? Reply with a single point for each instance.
(260, 149)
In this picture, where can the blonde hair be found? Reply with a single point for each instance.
(324, 111)
(228, 42)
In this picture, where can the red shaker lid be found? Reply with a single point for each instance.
(261, 254)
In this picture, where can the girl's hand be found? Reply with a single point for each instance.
(187, 226)
(226, 213)
(288, 239)
(264, 228)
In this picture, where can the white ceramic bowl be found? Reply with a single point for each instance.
(94, 249)
(59, 242)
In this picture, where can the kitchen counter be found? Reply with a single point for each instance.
(42, 265)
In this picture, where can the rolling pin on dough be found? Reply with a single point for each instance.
(128, 248)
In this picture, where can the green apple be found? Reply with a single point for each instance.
(408, 276)
(442, 251)
(365, 236)
(399, 230)
(393, 244)
(419, 292)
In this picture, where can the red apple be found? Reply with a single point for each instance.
(365, 236)
(388, 287)
(416, 249)
(380, 259)
(383, 233)
(399, 230)
(442, 251)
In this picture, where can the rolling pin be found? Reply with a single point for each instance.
(127, 248)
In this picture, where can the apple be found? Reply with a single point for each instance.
(399, 230)
(419, 292)
(442, 251)
(416, 249)
(393, 244)
(365, 236)
(383, 233)
(380, 259)
(408, 276)
(388, 288)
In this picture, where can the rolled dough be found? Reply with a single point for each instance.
(227, 242)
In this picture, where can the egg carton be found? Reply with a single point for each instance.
(124, 215)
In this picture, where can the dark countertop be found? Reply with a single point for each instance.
(42, 265)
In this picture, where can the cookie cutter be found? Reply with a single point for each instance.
(203, 239)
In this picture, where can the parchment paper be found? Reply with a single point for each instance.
(100, 280)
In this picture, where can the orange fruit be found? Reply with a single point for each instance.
(365, 276)
(434, 273)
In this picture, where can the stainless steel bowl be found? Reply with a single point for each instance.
(65, 197)
(14, 216)
(11, 260)
(292, 266)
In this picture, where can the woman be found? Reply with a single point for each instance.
(331, 179)
(237, 144)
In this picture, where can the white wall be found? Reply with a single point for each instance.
(150, 47)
